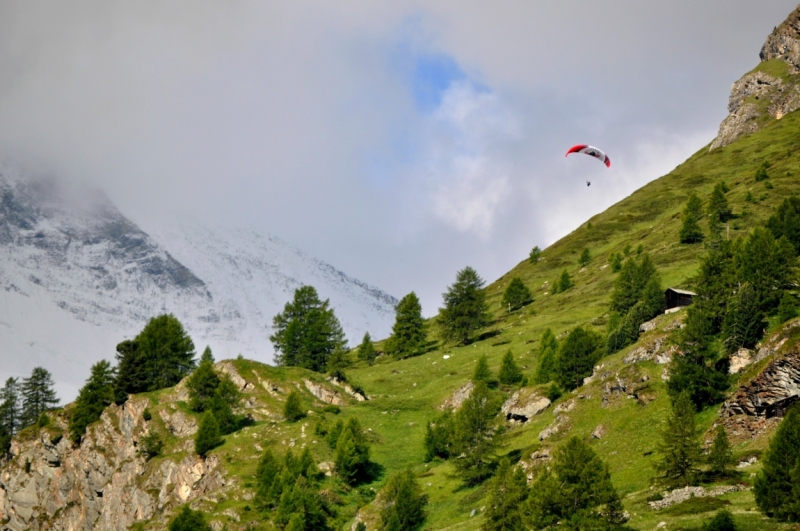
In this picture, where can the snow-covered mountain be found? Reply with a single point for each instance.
(77, 277)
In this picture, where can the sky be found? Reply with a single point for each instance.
(399, 141)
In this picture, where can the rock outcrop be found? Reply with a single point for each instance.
(104, 484)
(524, 404)
(455, 400)
(768, 92)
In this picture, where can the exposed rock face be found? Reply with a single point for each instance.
(656, 350)
(102, 485)
(759, 97)
(524, 404)
(771, 393)
(560, 425)
(329, 396)
(455, 400)
(681, 495)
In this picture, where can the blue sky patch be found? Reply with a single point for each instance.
(432, 76)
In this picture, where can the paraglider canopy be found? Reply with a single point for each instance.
(592, 152)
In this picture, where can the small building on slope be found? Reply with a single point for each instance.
(677, 299)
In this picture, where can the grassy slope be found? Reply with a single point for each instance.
(405, 394)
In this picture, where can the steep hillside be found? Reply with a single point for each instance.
(619, 410)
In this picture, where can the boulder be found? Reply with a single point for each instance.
(455, 400)
(329, 396)
(524, 404)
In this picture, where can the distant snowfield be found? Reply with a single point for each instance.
(78, 278)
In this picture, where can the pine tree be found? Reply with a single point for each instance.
(465, 309)
(207, 356)
(189, 520)
(535, 255)
(10, 407)
(93, 398)
(761, 172)
(38, 395)
(768, 265)
(509, 372)
(695, 371)
(352, 452)
(548, 346)
(475, 434)
(690, 229)
(307, 331)
(266, 472)
(720, 456)
(160, 356)
(516, 295)
(404, 503)
(508, 492)
(482, 372)
(208, 435)
(616, 262)
(575, 493)
(786, 222)
(744, 322)
(722, 521)
(201, 386)
(439, 437)
(366, 350)
(564, 282)
(226, 397)
(776, 487)
(296, 523)
(787, 309)
(301, 498)
(576, 358)
(292, 409)
(408, 332)
(626, 288)
(718, 208)
(680, 447)
(584, 258)
(337, 363)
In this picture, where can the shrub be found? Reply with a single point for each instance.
(585, 258)
(293, 409)
(189, 520)
(151, 444)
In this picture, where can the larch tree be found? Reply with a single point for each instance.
(38, 395)
(465, 309)
(408, 332)
(692, 214)
(93, 398)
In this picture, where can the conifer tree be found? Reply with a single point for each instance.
(482, 372)
(93, 398)
(777, 486)
(352, 452)
(616, 262)
(548, 346)
(626, 287)
(337, 363)
(207, 356)
(10, 407)
(564, 282)
(680, 446)
(768, 265)
(722, 521)
(690, 228)
(508, 492)
(475, 434)
(334, 433)
(408, 332)
(718, 208)
(516, 295)
(695, 371)
(201, 385)
(744, 322)
(160, 356)
(301, 498)
(787, 309)
(292, 409)
(761, 172)
(439, 437)
(575, 493)
(404, 503)
(786, 222)
(226, 396)
(720, 456)
(465, 309)
(585, 258)
(366, 350)
(509, 372)
(38, 395)
(208, 435)
(307, 331)
(576, 357)
(535, 254)
(189, 520)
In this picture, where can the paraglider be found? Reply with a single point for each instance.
(592, 152)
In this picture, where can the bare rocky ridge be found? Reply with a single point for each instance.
(758, 97)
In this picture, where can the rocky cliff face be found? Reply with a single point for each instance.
(104, 484)
(771, 90)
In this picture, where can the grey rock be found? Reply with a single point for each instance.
(524, 404)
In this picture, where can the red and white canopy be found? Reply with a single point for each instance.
(592, 152)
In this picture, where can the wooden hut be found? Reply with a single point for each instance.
(678, 298)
